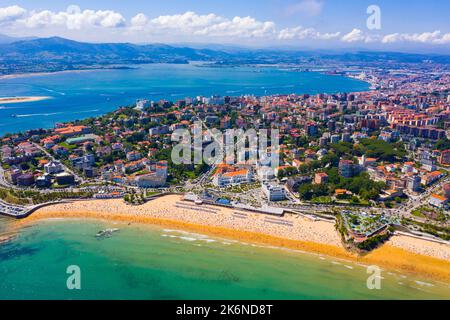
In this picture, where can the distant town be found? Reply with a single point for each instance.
(376, 159)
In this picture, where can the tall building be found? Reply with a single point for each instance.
(346, 168)
(445, 157)
(273, 192)
(311, 129)
(413, 183)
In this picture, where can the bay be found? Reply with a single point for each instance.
(78, 95)
(149, 262)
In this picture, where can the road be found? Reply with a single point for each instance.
(3, 181)
(77, 177)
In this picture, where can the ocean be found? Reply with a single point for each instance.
(76, 95)
(149, 262)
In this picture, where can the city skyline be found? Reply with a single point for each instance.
(307, 24)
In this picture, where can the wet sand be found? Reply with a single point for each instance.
(8, 100)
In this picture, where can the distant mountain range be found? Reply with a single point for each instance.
(7, 39)
(56, 54)
(56, 48)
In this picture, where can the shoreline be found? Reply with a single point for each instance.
(11, 100)
(38, 74)
(401, 253)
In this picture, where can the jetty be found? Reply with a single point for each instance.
(20, 212)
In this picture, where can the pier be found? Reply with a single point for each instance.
(20, 212)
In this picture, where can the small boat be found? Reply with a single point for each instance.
(14, 115)
(106, 233)
(198, 202)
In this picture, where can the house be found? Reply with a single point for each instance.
(294, 183)
(391, 194)
(71, 130)
(296, 163)
(117, 146)
(13, 174)
(65, 178)
(437, 201)
(346, 168)
(342, 192)
(150, 180)
(81, 161)
(366, 162)
(25, 180)
(408, 167)
(158, 130)
(321, 178)
(43, 181)
(273, 192)
(53, 167)
(133, 156)
(231, 175)
(265, 173)
(444, 159)
(49, 142)
(60, 151)
(429, 178)
(133, 166)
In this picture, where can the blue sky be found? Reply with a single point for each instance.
(410, 25)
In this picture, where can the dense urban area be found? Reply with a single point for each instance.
(373, 160)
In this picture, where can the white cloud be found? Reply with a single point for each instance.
(239, 27)
(356, 35)
(301, 33)
(74, 19)
(108, 25)
(435, 37)
(139, 21)
(11, 13)
(209, 25)
(188, 21)
(309, 7)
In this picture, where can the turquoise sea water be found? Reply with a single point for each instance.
(146, 262)
(83, 94)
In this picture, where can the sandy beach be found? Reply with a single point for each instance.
(7, 100)
(401, 253)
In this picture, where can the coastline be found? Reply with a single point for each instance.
(37, 74)
(11, 100)
(401, 253)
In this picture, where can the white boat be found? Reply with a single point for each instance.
(198, 202)
(106, 233)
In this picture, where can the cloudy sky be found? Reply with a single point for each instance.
(410, 25)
